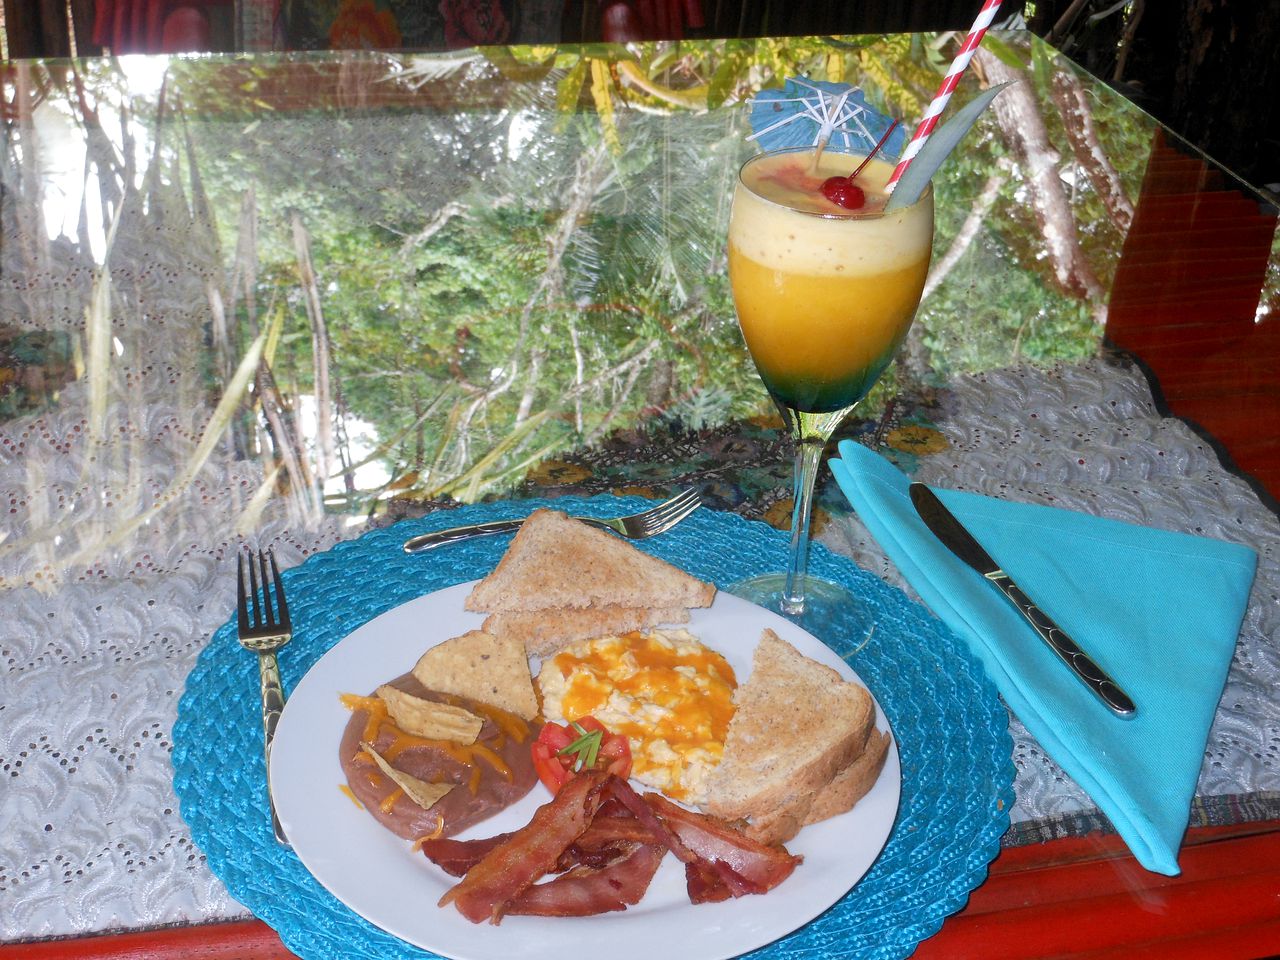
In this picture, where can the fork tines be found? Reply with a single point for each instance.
(265, 614)
(685, 502)
(674, 510)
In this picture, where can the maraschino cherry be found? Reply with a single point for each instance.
(844, 192)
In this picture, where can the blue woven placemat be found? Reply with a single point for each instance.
(950, 727)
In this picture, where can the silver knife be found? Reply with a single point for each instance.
(943, 524)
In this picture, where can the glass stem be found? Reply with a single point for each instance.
(811, 431)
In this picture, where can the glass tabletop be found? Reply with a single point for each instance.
(282, 298)
(465, 264)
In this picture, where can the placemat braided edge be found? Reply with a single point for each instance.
(950, 727)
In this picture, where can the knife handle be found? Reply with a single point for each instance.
(1084, 667)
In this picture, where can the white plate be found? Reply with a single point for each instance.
(375, 873)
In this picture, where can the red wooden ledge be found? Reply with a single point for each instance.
(238, 940)
(1083, 898)
(1087, 897)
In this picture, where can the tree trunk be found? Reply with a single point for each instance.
(29, 193)
(968, 231)
(1205, 68)
(914, 361)
(319, 351)
(1024, 131)
(1072, 102)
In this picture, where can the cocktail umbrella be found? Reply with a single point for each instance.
(819, 113)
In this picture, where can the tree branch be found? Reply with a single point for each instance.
(1077, 118)
(965, 235)
(1023, 127)
(437, 223)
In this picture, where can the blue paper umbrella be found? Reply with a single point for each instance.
(809, 113)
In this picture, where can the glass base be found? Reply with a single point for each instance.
(827, 606)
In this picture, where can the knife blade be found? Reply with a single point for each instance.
(943, 524)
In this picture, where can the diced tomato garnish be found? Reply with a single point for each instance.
(550, 770)
(561, 750)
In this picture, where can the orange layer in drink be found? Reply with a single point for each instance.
(824, 295)
(820, 342)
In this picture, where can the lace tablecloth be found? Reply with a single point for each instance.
(93, 655)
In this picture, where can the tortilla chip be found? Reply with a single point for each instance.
(426, 795)
(481, 667)
(427, 718)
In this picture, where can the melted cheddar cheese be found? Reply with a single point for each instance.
(670, 696)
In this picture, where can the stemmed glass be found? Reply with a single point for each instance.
(825, 295)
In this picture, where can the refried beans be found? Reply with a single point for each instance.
(490, 774)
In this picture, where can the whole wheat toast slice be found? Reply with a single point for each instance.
(556, 561)
(544, 632)
(798, 723)
(849, 786)
(852, 783)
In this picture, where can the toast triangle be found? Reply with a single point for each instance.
(798, 723)
(556, 561)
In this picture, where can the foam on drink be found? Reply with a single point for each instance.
(784, 221)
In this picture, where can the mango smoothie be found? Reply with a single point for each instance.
(824, 294)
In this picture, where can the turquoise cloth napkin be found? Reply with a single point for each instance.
(1159, 611)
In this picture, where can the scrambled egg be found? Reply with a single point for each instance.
(668, 694)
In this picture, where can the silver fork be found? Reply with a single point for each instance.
(264, 628)
(638, 526)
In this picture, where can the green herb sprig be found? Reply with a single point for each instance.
(585, 749)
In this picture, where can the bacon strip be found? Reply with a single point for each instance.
(610, 834)
(529, 852)
(585, 891)
(608, 837)
(752, 867)
(613, 807)
(643, 812)
(456, 857)
(704, 883)
(613, 830)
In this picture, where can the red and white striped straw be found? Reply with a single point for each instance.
(948, 86)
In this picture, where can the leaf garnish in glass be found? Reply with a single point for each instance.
(938, 147)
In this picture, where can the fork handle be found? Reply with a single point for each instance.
(272, 706)
(427, 541)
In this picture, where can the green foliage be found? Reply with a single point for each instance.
(705, 408)
(478, 263)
